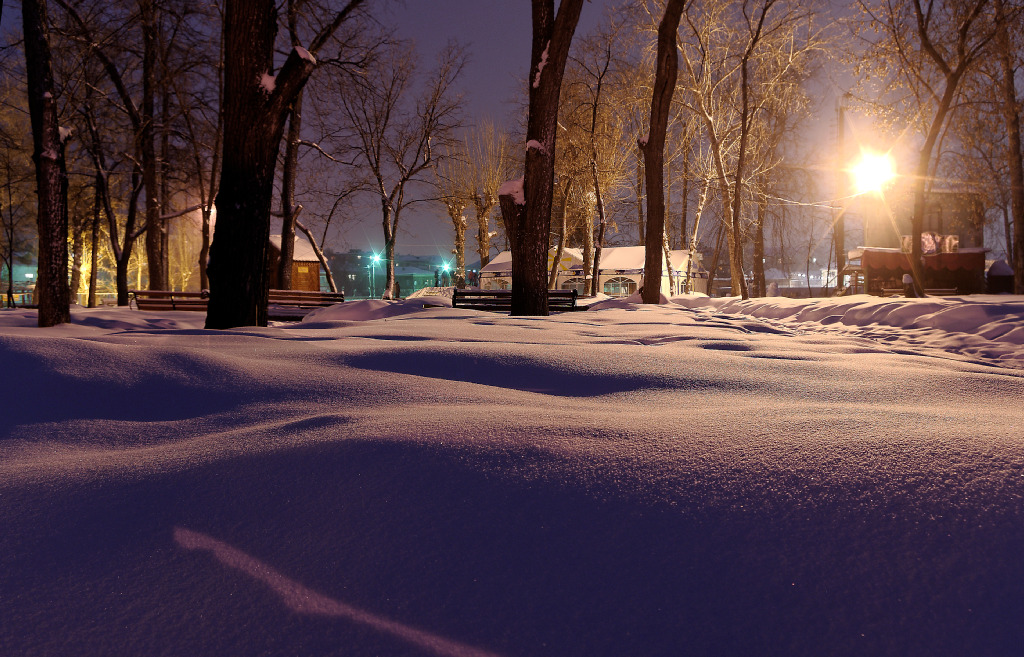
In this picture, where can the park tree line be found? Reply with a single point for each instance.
(733, 97)
(676, 124)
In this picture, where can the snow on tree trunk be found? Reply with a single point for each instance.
(52, 292)
(254, 120)
(552, 35)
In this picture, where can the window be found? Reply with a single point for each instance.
(579, 284)
(619, 286)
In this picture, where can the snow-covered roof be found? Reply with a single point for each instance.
(613, 258)
(303, 249)
(502, 263)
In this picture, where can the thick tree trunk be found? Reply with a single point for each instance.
(638, 189)
(165, 205)
(460, 255)
(552, 35)
(155, 226)
(52, 293)
(483, 228)
(654, 148)
(255, 109)
(389, 269)
(1011, 114)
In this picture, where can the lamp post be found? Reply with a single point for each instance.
(839, 228)
(373, 272)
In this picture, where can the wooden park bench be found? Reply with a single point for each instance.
(167, 300)
(501, 300)
(284, 304)
(929, 291)
(293, 305)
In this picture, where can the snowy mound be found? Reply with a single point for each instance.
(370, 309)
(707, 476)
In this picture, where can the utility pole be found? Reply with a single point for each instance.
(839, 228)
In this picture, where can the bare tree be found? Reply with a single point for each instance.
(256, 105)
(739, 57)
(527, 221)
(929, 48)
(653, 145)
(1015, 165)
(320, 34)
(488, 156)
(52, 292)
(594, 91)
(453, 180)
(400, 137)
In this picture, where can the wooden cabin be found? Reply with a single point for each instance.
(305, 264)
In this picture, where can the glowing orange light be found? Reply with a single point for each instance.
(873, 172)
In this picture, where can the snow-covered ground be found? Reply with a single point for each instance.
(704, 477)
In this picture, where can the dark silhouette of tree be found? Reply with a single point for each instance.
(256, 106)
(653, 146)
(52, 291)
(527, 223)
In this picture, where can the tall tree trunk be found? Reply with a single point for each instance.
(552, 35)
(759, 280)
(290, 171)
(638, 188)
(654, 147)
(52, 293)
(155, 225)
(684, 240)
(595, 271)
(715, 257)
(562, 227)
(1011, 114)
(77, 252)
(667, 250)
(691, 244)
(483, 227)
(208, 202)
(739, 281)
(164, 201)
(254, 117)
(460, 254)
(94, 257)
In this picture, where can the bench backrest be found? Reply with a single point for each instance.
(501, 300)
(170, 300)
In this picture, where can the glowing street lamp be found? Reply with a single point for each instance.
(373, 271)
(873, 172)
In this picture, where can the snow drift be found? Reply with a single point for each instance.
(701, 477)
